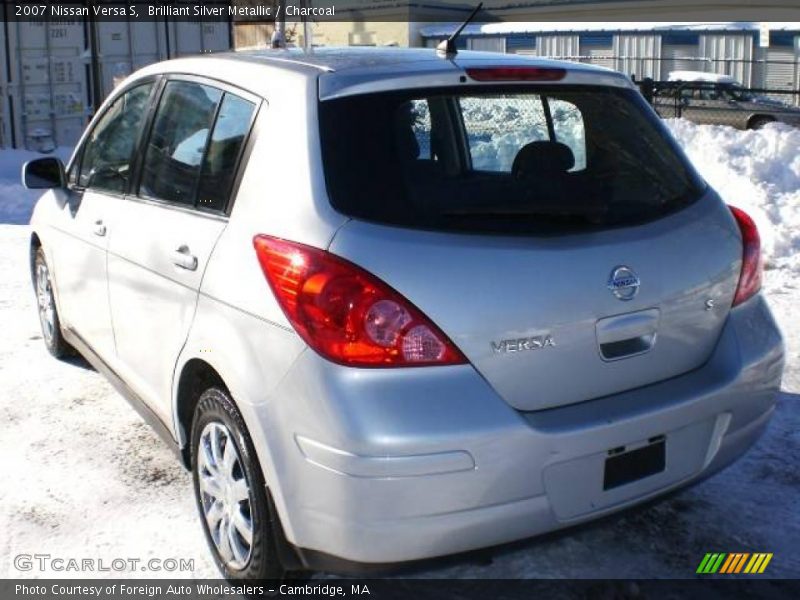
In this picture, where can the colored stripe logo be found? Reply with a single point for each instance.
(736, 562)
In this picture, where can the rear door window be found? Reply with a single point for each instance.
(177, 143)
(514, 159)
(195, 145)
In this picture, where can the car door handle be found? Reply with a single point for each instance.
(184, 259)
(99, 229)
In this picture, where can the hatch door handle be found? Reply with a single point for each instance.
(99, 228)
(184, 259)
(627, 335)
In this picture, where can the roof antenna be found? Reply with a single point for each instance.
(447, 48)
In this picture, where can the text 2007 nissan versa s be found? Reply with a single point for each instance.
(388, 306)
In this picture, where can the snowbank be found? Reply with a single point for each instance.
(16, 203)
(757, 171)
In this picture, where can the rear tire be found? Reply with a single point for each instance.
(230, 492)
(759, 122)
(46, 306)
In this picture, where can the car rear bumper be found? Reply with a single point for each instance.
(384, 466)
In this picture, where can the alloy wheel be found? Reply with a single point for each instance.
(225, 495)
(46, 303)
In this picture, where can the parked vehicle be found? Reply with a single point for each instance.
(713, 99)
(387, 306)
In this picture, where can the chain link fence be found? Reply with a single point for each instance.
(711, 103)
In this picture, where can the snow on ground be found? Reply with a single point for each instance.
(759, 172)
(85, 477)
(16, 202)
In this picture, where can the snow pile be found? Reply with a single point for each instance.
(16, 203)
(757, 171)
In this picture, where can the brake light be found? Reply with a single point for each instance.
(750, 277)
(346, 314)
(516, 73)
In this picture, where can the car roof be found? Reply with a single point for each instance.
(349, 70)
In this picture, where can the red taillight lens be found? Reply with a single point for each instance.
(516, 73)
(346, 314)
(750, 277)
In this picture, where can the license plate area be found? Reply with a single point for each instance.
(625, 465)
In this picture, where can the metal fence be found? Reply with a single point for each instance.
(722, 104)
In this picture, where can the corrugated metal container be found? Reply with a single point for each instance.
(5, 117)
(487, 44)
(681, 57)
(638, 54)
(777, 65)
(558, 46)
(598, 49)
(48, 94)
(730, 54)
(521, 44)
(192, 37)
(48, 82)
(125, 46)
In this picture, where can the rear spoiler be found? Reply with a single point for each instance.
(418, 75)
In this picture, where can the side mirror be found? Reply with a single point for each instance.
(43, 174)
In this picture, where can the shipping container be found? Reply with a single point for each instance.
(638, 54)
(51, 81)
(729, 54)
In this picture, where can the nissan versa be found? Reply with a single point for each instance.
(388, 305)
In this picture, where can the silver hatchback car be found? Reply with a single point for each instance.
(389, 306)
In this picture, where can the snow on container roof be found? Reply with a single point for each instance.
(444, 29)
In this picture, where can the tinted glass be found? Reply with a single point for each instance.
(108, 152)
(227, 139)
(178, 138)
(543, 160)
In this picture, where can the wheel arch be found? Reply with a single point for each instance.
(35, 244)
(196, 376)
(759, 117)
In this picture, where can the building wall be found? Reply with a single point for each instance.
(366, 33)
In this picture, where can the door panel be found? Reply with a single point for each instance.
(168, 229)
(97, 182)
(80, 268)
(153, 291)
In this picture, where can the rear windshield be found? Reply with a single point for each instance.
(537, 160)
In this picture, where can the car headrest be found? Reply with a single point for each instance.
(539, 158)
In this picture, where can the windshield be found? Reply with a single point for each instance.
(502, 159)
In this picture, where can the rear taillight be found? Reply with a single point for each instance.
(516, 73)
(346, 314)
(750, 277)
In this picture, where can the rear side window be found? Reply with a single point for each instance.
(224, 148)
(528, 160)
(194, 147)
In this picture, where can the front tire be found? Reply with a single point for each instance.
(46, 305)
(230, 492)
